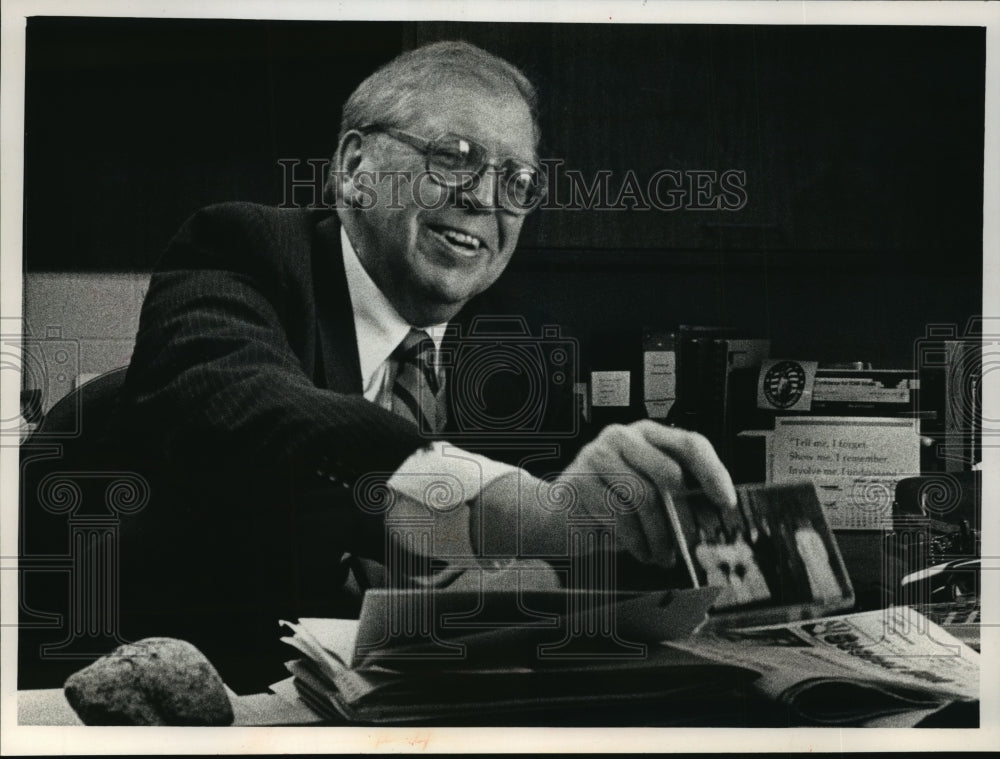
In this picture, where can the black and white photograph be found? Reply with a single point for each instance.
(773, 556)
(374, 372)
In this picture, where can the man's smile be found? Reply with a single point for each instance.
(462, 242)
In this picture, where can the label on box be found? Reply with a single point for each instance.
(854, 461)
(609, 388)
(659, 382)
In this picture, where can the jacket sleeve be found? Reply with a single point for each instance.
(214, 373)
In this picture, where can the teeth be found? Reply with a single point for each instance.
(462, 239)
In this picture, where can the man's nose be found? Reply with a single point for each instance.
(482, 194)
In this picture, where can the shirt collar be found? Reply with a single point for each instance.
(377, 324)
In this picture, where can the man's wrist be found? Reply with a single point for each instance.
(511, 512)
(515, 515)
(443, 475)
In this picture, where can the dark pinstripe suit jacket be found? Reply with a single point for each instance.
(246, 349)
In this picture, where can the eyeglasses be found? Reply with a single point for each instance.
(458, 162)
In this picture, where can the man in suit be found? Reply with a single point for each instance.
(296, 373)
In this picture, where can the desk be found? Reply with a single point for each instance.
(49, 707)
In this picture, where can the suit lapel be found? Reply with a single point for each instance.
(337, 341)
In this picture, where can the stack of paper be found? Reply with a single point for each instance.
(501, 653)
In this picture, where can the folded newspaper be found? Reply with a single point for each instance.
(849, 669)
(844, 670)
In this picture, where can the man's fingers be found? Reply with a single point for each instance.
(696, 455)
(642, 456)
(642, 525)
(659, 456)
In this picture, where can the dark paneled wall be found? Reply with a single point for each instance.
(852, 138)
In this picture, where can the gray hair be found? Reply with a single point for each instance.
(392, 95)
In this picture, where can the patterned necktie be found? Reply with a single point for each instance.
(418, 392)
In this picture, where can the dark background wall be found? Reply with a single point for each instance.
(862, 150)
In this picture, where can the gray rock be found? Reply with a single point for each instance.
(156, 681)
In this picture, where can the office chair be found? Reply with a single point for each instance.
(935, 542)
(95, 400)
(72, 498)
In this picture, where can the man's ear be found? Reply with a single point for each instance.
(346, 162)
(349, 153)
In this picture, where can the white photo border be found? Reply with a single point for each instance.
(86, 740)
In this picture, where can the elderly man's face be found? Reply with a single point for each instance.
(426, 254)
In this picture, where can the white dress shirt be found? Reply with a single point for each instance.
(380, 329)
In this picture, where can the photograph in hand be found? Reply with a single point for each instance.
(774, 556)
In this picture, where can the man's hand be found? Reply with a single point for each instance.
(630, 471)
(625, 473)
